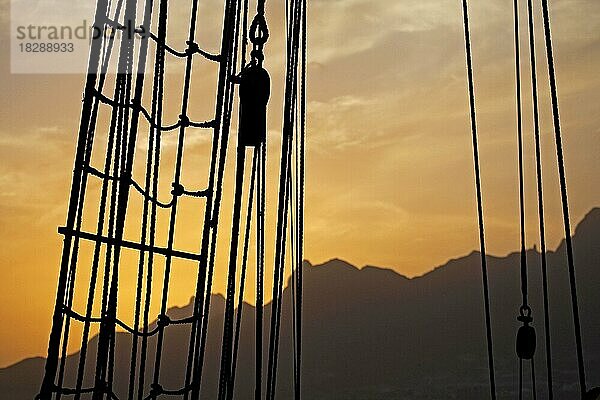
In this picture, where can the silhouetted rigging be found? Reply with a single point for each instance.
(117, 179)
(254, 91)
(526, 337)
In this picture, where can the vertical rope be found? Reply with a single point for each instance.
(77, 191)
(301, 179)
(176, 182)
(479, 201)
(119, 194)
(563, 193)
(226, 346)
(112, 145)
(107, 336)
(102, 352)
(134, 345)
(118, 171)
(157, 106)
(260, 267)
(231, 275)
(284, 189)
(524, 310)
(523, 254)
(540, 198)
(520, 378)
(533, 386)
(223, 115)
(293, 199)
(277, 290)
(105, 56)
(240, 305)
(210, 219)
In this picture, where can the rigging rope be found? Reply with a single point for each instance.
(284, 189)
(223, 113)
(226, 345)
(157, 104)
(151, 185)
(300, 208)
(260, 268)
(176, 180)
(105, 56)
(526, 338)
(192, 48)
(226, 357)
(208, 237)
(112, 146)
(479, 200)
(77, 193)
(183, 121)
(523, 254)
(250, 133)
(232, 373)
(540, 198)
(564, 199)
(117, 181)
(240, 305)
(128, 126)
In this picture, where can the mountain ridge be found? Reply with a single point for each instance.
(372, 333)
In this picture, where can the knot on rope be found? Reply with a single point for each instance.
(193, 48)
(163, 321)
(156, 389)
(184, 121)
(141, 30)
(255, 90)
(526, 339)
(177, 190)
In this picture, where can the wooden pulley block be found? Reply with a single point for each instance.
(255, 90)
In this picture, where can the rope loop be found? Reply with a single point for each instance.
(163, 321)
(259, 31)
(525, 314)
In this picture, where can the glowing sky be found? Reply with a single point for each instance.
(389, 169)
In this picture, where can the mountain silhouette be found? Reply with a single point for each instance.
(371, 333)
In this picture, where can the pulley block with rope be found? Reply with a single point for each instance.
(255, 88)
(526, 340)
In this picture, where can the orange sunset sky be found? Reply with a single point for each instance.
(389, 165)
